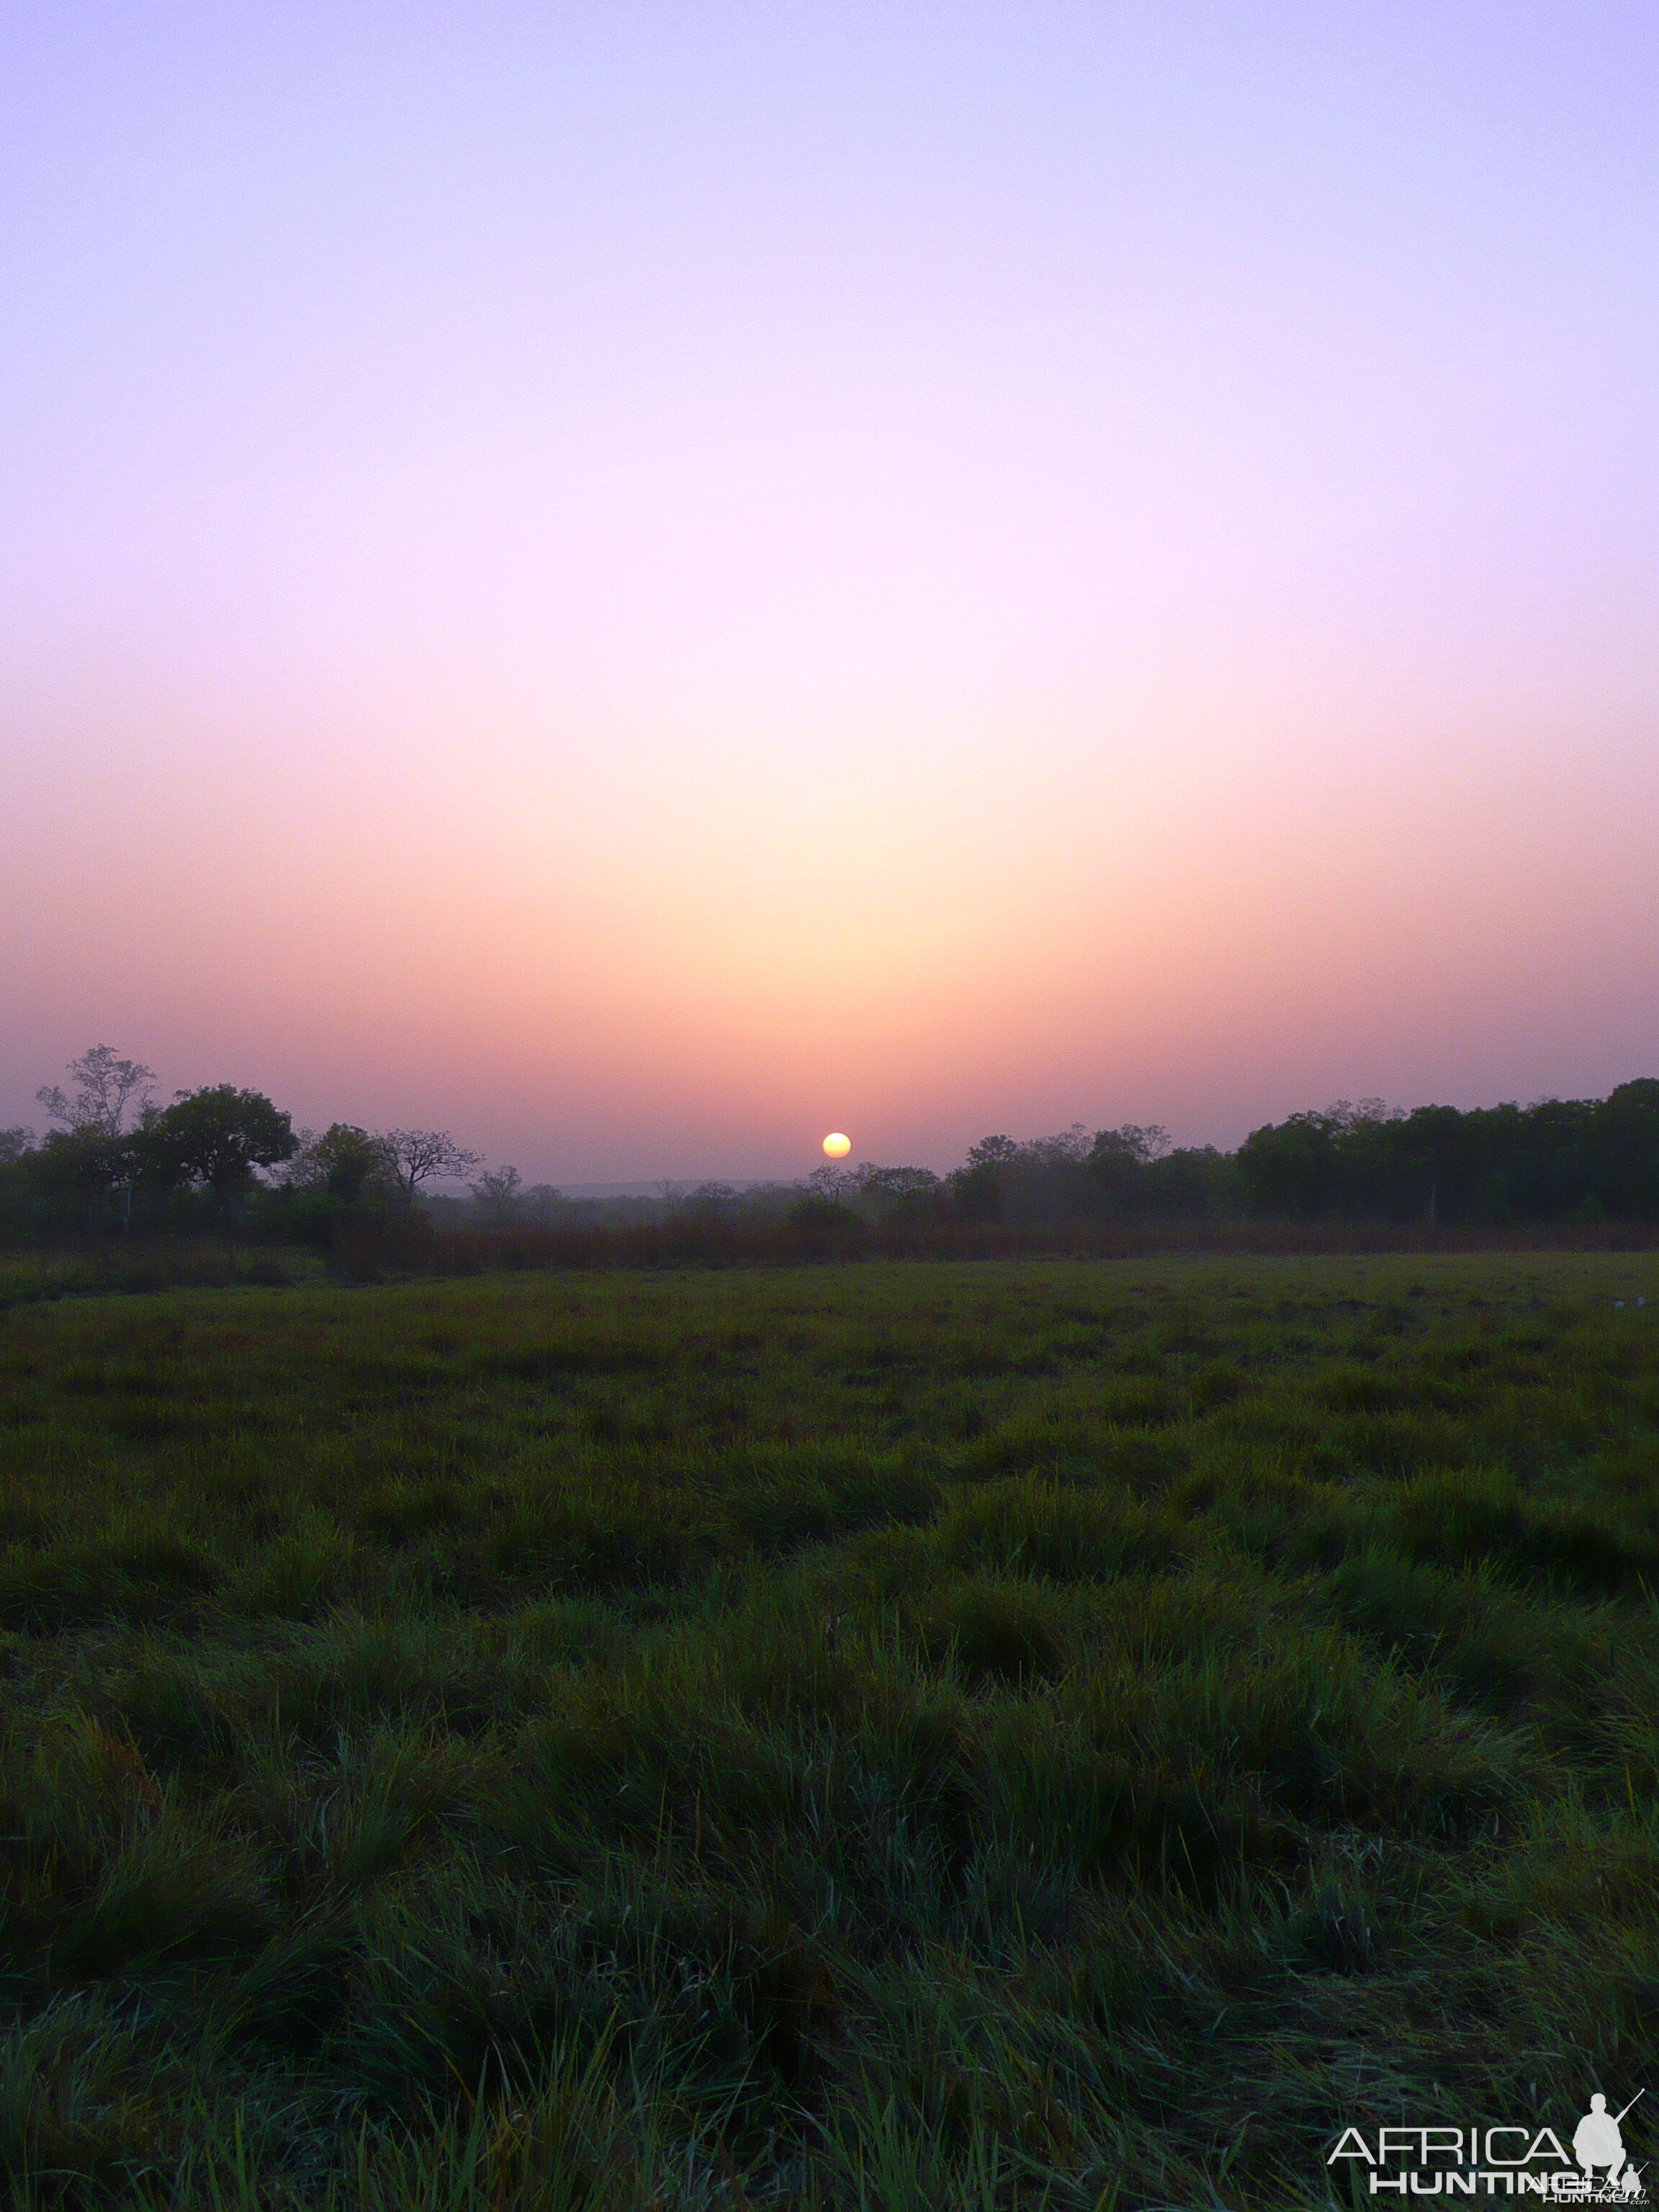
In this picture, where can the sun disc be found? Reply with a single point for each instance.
(835, 1146)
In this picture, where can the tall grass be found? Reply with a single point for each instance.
(1066, 1734)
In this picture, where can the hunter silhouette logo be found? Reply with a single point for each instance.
(1501, 2161)
(1597, 2142)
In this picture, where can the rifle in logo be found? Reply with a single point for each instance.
(1597, 2142)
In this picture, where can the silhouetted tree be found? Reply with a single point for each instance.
(1494, 1164)
(1623, 1148)
(834, 1184)
(977, 1185)
(91, 1150)
(218, 1137)
(1190, 1184)
(105, 1084)
(83, 1163)
(498, 1194)
(416, 1156)
(345, 1161)
(898, 1193)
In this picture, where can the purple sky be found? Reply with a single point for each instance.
(645, 583)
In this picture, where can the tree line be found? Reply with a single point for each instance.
(1560, 1159)
(114, 1158)
(220, 1153)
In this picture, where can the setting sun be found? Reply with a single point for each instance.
(835, 1146)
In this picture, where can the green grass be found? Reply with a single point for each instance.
(887, 1737)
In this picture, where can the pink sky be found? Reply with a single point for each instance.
(646, 582)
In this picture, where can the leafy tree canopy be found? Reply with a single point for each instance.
(345, 1161)
(218, 1136)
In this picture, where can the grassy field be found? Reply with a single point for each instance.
(892, 1736)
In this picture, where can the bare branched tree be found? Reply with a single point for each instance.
(414, 1156)
(835, 1184)
(891, 1187)
(105, 1086)
(499, 1194)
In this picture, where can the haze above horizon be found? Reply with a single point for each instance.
(645, 583)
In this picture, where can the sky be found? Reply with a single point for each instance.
(642, 583)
